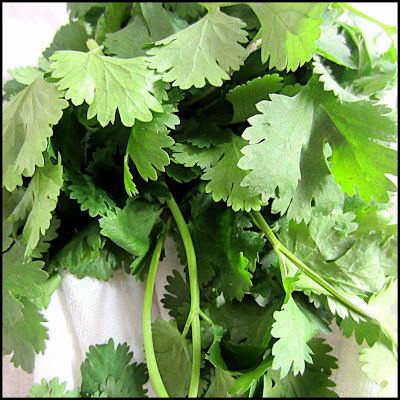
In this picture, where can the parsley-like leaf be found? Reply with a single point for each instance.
(26, 127)
(108, 83)
(52, 389)
(198, 52)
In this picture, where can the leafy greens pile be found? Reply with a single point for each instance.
(257, 136)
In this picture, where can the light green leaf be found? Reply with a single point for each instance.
(43, 244)
(174, 354)
(314, 383)
(332, 45)
(78, 10)
(25, 337)
(52, 389)
(294, 326)
(245, 97)
(108, 84)
(25, 75)
(26, 127)
(190, 156)
(199, 52)
(220, 384)
(289, 32)
(38, 202)
(20, 278)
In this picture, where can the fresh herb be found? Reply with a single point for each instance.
(257, 135)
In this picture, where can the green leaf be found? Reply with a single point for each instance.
(52, 389)
(289, 32)
(294, 326)
(330, 83)
(25, 337)
(214, 352)
(38, 202)
(177, 298)
(102, 82)
(245, 97)
(103, 362)
(206, 55)
(186, 10)
(174, 354)
(10, 228)
(48, 288)
(331, 247)
(25, 75)
(354, 145)
(20, 278)
(221, 382)
(332, 45)
(132, 227)
(11, 88)
(111, 20)
(160, 22)
(112, 388)
(129, 41)
(90, 197)
(243, 383)
(78, 10)
(190, 156)
(147, 140)
(51, 234)
(72, 36)
(299, 127)
(223, 248)
(130, 186)
(26, 127)
(314, 383)
(225, 178)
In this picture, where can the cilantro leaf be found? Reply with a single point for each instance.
(43, 244)
(26, 127)
(25, 75)
(107, 83)
(78, 10)
(294, 326)
(129, 41)
(103, 361)
(72, 36)
(289, 32)
(205, 55)
(174, 354)
(89, 196)
(245, 97)
(225, 249)
(26, 337)
(111, 20)
(38, 202)
(52, 389)
(134, 228)
(283, 149)
(220, 384)
(161, 23)
(225, 178)
(314, 382)
(147, 140)
(20, 278)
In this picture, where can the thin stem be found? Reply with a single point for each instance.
(279, 247)
(154, 372)
(194, 294)
(206, 317)
(189, 320)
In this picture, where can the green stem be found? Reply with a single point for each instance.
(390, 30)
(280, 248)
(206, 317)
(152, 366)
(194, 294)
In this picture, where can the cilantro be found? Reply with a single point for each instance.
(258, 136)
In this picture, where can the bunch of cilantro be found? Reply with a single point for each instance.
(257, 136)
